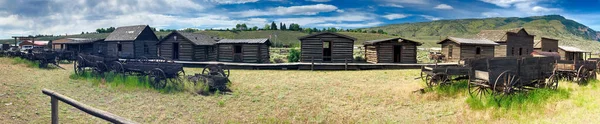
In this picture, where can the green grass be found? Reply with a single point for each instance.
(31, 64)
(126, 81)
(453, 89)
(534, 99)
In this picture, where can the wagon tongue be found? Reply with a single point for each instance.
(59, 66)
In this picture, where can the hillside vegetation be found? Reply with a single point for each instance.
(569, 32)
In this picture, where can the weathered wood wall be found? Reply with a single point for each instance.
(470, 51)
(565, 55)
(100, 46)
(341, 48)
(455, 51)
(140, 46)
(225, 52)
(251, 53)
(549, 45)
(127, 49)
(408, 53)
(264, 54)
(515, 42)
(371, 54)
(186, 51)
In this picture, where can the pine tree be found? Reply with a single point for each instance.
(273, 26)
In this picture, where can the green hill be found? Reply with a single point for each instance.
(278, 37)
(569, 32)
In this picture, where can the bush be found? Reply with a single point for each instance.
(277, 58)
(293, 55)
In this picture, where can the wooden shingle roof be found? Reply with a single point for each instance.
(245, 41)
(571, 49)
(195, 38)
(469, 41)
(498, 35)
(126, 33)
(390, 39)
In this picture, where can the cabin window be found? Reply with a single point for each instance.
(549, 50)
(238, 49)
(450, 49)
(326, 44)
(146, 49)
(520, 51)
(478, 50)
(119, 47)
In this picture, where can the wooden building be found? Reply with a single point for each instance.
(456, 49)
(391, 50)
(571, 53)
(512, 42)
(132, 42)
(244, 50)
(188, 46)
(546, 45)
(78, 45)
(327, 47)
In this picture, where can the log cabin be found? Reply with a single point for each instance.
(244, 50)
(188, 46)
(326, 47)
(78, 45)
(571, 53)
(391, 50)
(546, 45)
(456, 49)
(132, 42)
(512, 42)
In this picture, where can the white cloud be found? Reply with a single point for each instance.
(292, 10)
(340, 10)
(319, 0)
(350, 25)
(504, 3)
(428, 17)
(406, 1)
(392, 5)
(234, 1)
(443, 6)
(345, 20)
(490, 14)
(395, 16)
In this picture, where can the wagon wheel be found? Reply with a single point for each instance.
(552, 82)
(157, 78)
(117, 68)
(77, 67)
(504, 85)
(100, 68)
(178, 78)
(216, 70)
(423, 76)
(438, 79)
(593, 74)
(581, 75)
(225, 70)
(477, 91)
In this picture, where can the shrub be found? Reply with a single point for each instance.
(293, 55)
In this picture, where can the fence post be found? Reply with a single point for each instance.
(312, 65)
(346, 66)
(54, 106)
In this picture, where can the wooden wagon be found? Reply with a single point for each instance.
(44, 57)
(96, 64)
(443, 75)
(579, 71)
(507, 75)
(158, 71)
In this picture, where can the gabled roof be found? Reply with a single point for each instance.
(126, 33)
(76, 40)
(391, 39)
(245, 41)
(195, 38)
(469, 41)
(333, 33)
(571, 49)
(498, 35)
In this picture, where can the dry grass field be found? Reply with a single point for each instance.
(271, 96)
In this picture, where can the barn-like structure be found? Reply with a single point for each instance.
(512, 42)
(456, 49)
(188, 46)
(546, 45)
(327, 47)
(132, 42)
(391, 50)
(244, 50)
(78, 45)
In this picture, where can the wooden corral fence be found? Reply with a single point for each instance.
(55, 97)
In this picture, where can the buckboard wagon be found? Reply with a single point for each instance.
(508, 75)
(158, 72)
(443, 75)
(44, 57)
(579, 71)
(97, 64)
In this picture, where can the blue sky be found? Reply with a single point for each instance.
(58, 17)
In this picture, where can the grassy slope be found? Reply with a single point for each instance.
(285, 37)
(378, 96)
(568, 31)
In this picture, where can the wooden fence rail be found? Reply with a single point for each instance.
(55, 97)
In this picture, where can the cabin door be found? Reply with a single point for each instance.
(397, 54)
(175, 51)
(327, 51)
(238, 53)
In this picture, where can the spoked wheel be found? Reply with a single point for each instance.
(478, 91)
(505, 85)
(552, 82)
(582, 75)
(423, 75)
(215, 70)
(438, 79)
(117, 68)
(158, 78)
(100, 68)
